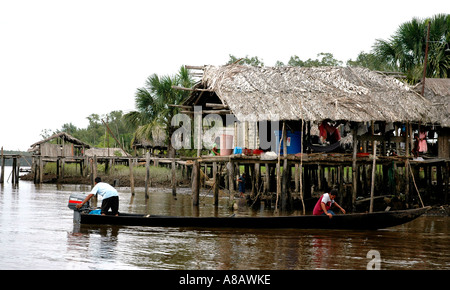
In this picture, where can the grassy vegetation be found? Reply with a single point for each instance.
(158, 174)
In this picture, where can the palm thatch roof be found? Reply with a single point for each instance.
(311, 93)
(437, 91)
(157, 140)
(64, 136)
(102, 152)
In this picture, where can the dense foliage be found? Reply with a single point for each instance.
(402, 52)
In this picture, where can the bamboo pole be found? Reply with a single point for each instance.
(301, 169)
(354, 168)
(114, 136)
(278, 170)
(426, 59)
(93, 176)
(147, 173)
(14, 171)
(216, 186)
(407, 150)
(267, 179)
(418, 192)
(41, 169)
(374, 165)
(130, 165)
(195, 183)
(2, 173)
(286, 171)
(174, 178)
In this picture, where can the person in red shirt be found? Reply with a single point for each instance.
(329, 132)
(324, 204)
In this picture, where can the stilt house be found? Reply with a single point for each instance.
(366, 106)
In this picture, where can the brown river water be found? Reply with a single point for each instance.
(37, 232)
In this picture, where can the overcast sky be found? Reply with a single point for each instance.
(61, 60)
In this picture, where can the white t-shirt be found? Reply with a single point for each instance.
(105, 190)
(326, 199)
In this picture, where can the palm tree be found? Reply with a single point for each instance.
(152, 104)
(406, 48)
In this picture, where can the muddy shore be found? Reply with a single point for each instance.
(124, 181)
(119, 181)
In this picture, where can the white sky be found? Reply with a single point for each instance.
(62, 60)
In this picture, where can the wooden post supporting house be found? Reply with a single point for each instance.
(216, 178)
(2, 173)
(285, 198)
(216, 184)
(196, 183)
(231, 179)
(14, 171)
(354, 167)
(407, 164)
(130, 165)
(174, 178)
(147, 173)
(374, 169)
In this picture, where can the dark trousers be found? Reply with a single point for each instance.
(111, 203)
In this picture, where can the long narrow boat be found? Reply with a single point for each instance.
(358, 221)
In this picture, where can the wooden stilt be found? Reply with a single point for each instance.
(174, 178)
(216, 178)
(374, 168)
(41, 169)
(354, 167)
(216, 186)
(195, 183)
(147, 173)
(267, 179)
(231, 179)
(130, 166)
(2, 173)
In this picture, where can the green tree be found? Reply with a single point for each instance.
(96, 133)
(152, 103)
(252, 61)
(323, 59)
(405, 50)
(371, 61)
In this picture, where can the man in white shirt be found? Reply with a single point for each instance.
(109, 195)
(325, 202)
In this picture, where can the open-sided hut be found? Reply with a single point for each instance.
(157, 142)
(437, 91)
(307, 93)
(355, 96)
(65, 146)
(60, 148)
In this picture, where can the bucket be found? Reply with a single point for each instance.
(293, 142)
(226, 144)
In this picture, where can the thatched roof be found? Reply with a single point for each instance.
(159, 136)
(313, 94)
(63, 135)
(102, 152)
(438, 92)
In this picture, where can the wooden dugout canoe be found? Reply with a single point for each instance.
(356, 221)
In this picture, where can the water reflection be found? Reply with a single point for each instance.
(37, 232)
(161, 248)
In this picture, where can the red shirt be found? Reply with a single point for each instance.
(328, 202)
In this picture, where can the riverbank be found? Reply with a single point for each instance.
(160, 177)
(119, 176)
